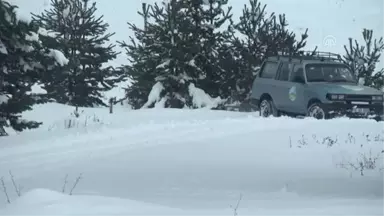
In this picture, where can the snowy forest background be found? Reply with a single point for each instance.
(181, 51)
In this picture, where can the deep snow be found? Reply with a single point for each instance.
(184, 162)
(45, 202)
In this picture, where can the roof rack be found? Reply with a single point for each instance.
(312, 55)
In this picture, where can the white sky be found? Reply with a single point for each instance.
(336, 19)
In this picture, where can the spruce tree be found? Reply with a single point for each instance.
(83, 38)
(363, 59)
(261, 35)
(176, 48)
(23, 60)
(212, 22)
(163, 57)
(184, 42)
(142, 68)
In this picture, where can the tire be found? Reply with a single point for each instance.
(268, 108)
(316, 111)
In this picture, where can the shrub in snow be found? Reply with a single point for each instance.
(23, 60)
(82, 37)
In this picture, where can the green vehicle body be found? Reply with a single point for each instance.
(297, 85)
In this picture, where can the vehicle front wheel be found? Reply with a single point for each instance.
(316, 111)
(268, 108)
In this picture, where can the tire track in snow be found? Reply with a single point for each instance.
(114, 141)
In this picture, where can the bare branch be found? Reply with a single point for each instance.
(65, 183)
(237, 206)
(76, 182)
(5, 189)
(17, 187)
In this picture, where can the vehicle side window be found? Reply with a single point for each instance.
(297, 75)
(269, 70)
(285, 71)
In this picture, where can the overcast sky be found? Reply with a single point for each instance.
(330, 22)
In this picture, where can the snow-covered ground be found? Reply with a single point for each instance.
(190, 162)
(46, 202)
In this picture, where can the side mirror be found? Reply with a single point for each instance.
(299, 79)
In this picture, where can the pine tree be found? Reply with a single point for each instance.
(262, 35)
(83, 38)
(160, 60)
(184, 44)
(142, 68)
(23, 59)
(362, 59)
(210, 18)
(175, 49)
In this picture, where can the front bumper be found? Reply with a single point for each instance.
(374, 110)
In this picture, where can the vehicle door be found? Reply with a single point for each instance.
(266, 81)
(283, 85)
(296, 90)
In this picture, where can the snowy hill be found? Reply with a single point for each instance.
(184, 162)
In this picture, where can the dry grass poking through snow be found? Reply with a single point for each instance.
(18, 188)
(371, 160)
(77, 120)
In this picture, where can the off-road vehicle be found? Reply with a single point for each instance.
(317, 85)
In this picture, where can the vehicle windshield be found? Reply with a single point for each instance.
(329, 73)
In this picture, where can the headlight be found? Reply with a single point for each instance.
(335, 96)
(377, 98)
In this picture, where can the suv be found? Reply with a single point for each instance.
(317, 85)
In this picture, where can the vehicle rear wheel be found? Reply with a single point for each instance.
(268, 108)
(316, 111)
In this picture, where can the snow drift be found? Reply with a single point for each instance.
(196, 161)
(47, 202)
